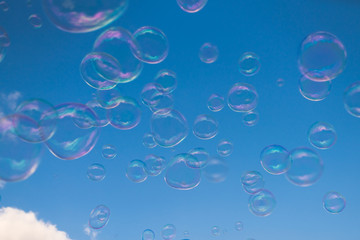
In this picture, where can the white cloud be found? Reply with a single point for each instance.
(90, 232)
(15, 224)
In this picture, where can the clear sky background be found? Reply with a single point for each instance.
(44, 63)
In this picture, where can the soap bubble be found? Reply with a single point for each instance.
(205, 127)
(352, 99)
(280, 82)
(306, 167)
(242, 97)
(135, 171)
(99, 217)
(100, 112)
(262, 203)
(126, 115)
(239, 226)
(314, 91)
(148, 234)
(249, 64)
(216, 170)
(322, 56)
(79, 16)
(191, 6)
(35, 21)
(108, 98)
(153, 45)
(216, 102)
(250, 118)
(208, 53)
(225, 148)
(161, 101)
(148, 140)
(322, 135)
(148, 94)
(154, 165)
(165, 81)
(4, 6)
(252, 182)
(275, 159)
(109, 151)
(201, 155)
(334, 202)
(168, 232)
(96, 172)
(215, 231)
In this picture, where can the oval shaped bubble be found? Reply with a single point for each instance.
(79, 16)
(322, 135)
(314, 91)
(191, 6)
(249, 64)
(216, 103)
(322, 56)
(252, 182)
(96, 172)
(352, 99)
(136, 172)
(35, 21)
(262, 204)
(208, 53)
(334, 202)
(148, 140)
(242, 97)
(154, 165)
(225, 148)
(250, 118)
(148, 234)
(100, 112)
(99, 217)
(109, 151)
(165, 81)
(275, 159)
(126, 115)
(205, 127)
(201, 155)
(168, 232)
(216, 170)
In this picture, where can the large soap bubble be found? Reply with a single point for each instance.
(352, 99)
(205, 127)
(191, 6)
(322, 135)
(99, 217)
(275, 160)
(136, 172)
(242, 97)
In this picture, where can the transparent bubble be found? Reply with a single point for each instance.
(76, 133)
(40, 122)
(262, 203)
(148, 94)
(201, 155)
(239, 226)
(208, 53)
(242, 97)
(4, 6)
(250, 118)
(161, 101)
(119, 43)
(165, 81)
(252, 182)
(4, 38)
(168, 232)
(126, 115)
(275, 159)
(136, 172)
(148, 140)
(215, 231)
(322, 56)
(280, 82)
(216, 103)
(169, 127)
(96, 172)
(249, 64)
(79, 16)
(148, 234)
(18, 159)
(153, 45)
(154, 165)
(191, 6)
(108, 98)
(100, 112)
(35, 21)
(216, 170)
(99, 217)
(322, 135)
(352, 99)
(109, 151)
(334, 202)
(306, 167)
(225, 148)
(205, 127)
(314, 91)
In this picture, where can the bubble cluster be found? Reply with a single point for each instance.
(262, 203)
(352, 99)
(216, 170)
(35, 21)
(191, 6)
(252, 182)
(201, 155)
(250, 118)
(96, 172)
(322, 135)
(205, 127)
(249, 64)
(148, 234)
(216, 103)
(99, 217)
(208, 53)
(154, 165)
(225, 148)
(126, 115)
(242, 97)
(109, 151)
(334, 202)
(314, 91)
(136, 172)
(165, 81)
(275, 159)
(168, 232)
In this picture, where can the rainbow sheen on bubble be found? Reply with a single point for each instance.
(334, 202)
(275, 159)
(252, 182)
(161, 101)
(165, 81)
(216, 170)
(201, 155)
(242, 97)
(136, 172)
(148, 234)
(216, 102)
(99, 217)
(352, 99)
(35, 21)
(208, 53)
(168, 232)
(313, 90)
(262, 203)
(148, 140)
(126, 115)
(249, 64)
(225, 148)
(109, 151)
(322, 135)
(205, 127)
(108, 98)
(96, 172)
(148, 94)
(191, 6)
(154, 165)
(250, 118)
(100, 112)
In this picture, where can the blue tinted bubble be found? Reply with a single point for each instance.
(165, 81)
(35, 21)
(148, 94)
(239, 226)
(250, 118)
(108, 98)
(161, 101)
(322, 135)
(352, 99)
(249, 64)
(225, 148)
(168, 232)
(4, 6)
(275, 159)
(252, 182)
(208, 53)
(109, 151)
(126, 115)
(100, 112)
(334, 202)
(314, 91)
(205, 127)
(99, 217)
(135, 171)
(280, 82)
(322, 56)
(154, 165)
(148, 234)
(216, 102)
(191, 6)
(215, 231)
(148, 140)
(262, 203)
(216, 170)
(242, 97)
(96, 172)
(202, 157)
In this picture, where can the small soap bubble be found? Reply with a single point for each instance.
(148, 140)
(208, 53)
(215, 231)
(334, 202)
(96, 172)
(242, 97)
(216, 170)
(275, 159)
(280, 82)
(239, 226)
(262, 204)
(225, 148)
(165, 81)
(154, 165)
(99, 217)
(109, 151)
(4, 6)
(168, 232)
(35, 21)
(148, 94)
(252, 182)
(205, 127)
(216, 102)
(352, 99)
(161, 101)
(250, 118)
(148, 234)
(322, 135)
(136, 172)
(249, 64)
(126, 115)
(314, 91)
(191, 6)
(201, 155)
(99, 111)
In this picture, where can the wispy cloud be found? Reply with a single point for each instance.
(90, 232)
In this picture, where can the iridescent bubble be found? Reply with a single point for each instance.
(216, 170)
(252, 182)
(306, 167)
(180, 176)
(153, 45)
(119, 43)
(148, 94)
(96, 172)
(225, 148)
(148, 140)
(76, 133)
(168, 232)
(262, 204)
(201, 155)
(109, 151)
(322, 135)
(242, 97)
(208, 53)
(169, 127)
(161, 101)
(280, 82)
(108, 98)
(18, 159)
(35, 21)
(205, 127)
(250, 118)
(352, 99)
(314, 91)
(100, 112)
(216, 102)
(322, 56)
(334, 202)
(249, 64)
(78, 16)
(239, 226)
(126, 115)
(148, 234)
(215, 231)
(275, 159)
(154, 165)
(4, 6)
(165, 81)
(99, 217)
(191, 6)
(136, 172)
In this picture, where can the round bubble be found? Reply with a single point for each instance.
(314, 91)
(148, 140)
(161, 101)
(262, 203)
(280, 82)
(109, 151)
(154, 165)
(352, 99)
(191, 6)
(153, 45)
(96, 172)
(239, 226)
(168, 232)
(205, 127)
(100, 112)
(165, 81)
(76, 133)
(148, 234)
(322, 56)
(242, 97)
(99, 217)
(78, 16)
(148, 94)
(4, 6)
(201, 155)
(108, 98)
(250, 118)
(216, 102)
(252, 182)
(169, 127)
(249, 64)
(216, 170)
(306, 167)
(334, 202)
(322, 135)
(136, 172)
(119, 43)
(275, 159)
(208, 53)
(225, 148)
(215, 231)
(35, 21)
(126, 115)
(18, 159)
